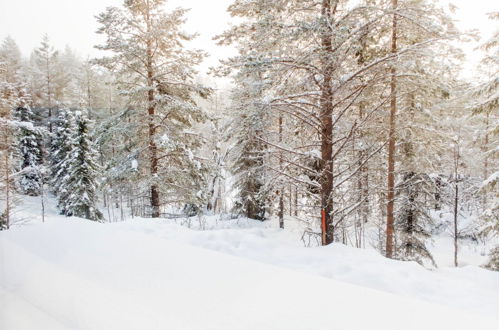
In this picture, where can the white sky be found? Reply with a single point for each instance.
(72, 22)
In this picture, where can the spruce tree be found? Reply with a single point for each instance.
(60, 147)
(29, 152)
(493, 263)
(413, 222)
(249, 154)
(78, 191)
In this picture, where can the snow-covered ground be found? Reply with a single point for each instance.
(145, 274)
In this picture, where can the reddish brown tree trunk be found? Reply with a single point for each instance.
(327, 127)
(391, 142)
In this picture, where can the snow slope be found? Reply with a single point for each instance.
(154, 274)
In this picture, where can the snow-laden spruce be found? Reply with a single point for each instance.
(78, 170)
(28, 152)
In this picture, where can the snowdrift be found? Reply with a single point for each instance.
(75, 274)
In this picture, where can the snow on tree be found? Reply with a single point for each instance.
(249, 154)
(12, 83)
(489, 90)
(421, 77)
(310, 56)
(12, 95)
(413, 223)
(490, 217)
(45, 75)
(217, 152)
(29, 152)
(80, 182)
(60, 148)
(493, 263)
(156, 72)
(484, 105)
(7, 185)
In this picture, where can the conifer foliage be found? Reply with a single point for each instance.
(249, 154)
(60, 147)
(156, 73)
(338, 120)
(28, 152)
(413, 223)
(78, 171)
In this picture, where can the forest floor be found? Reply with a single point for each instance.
(69, 273)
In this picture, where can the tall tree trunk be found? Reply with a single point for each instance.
(411, 213)
(391, 142)
(326, 119)
(153, 150)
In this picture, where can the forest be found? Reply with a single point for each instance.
(346, 122)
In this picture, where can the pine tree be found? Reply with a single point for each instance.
(308, 54)
(420, 79)
(78, 190)
(156, 71)
(29, 152)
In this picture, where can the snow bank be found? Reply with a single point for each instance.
(468, 288)
(74, 274)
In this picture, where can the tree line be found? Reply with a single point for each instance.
(349, 117)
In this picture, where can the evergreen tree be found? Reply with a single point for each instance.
(413, 223)
(29, 152)
(308, 54)
(490, 218)
(493, 263)
(249, 125)
(60, 147)
(156, 72)
(78, 191)
(485, 104)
